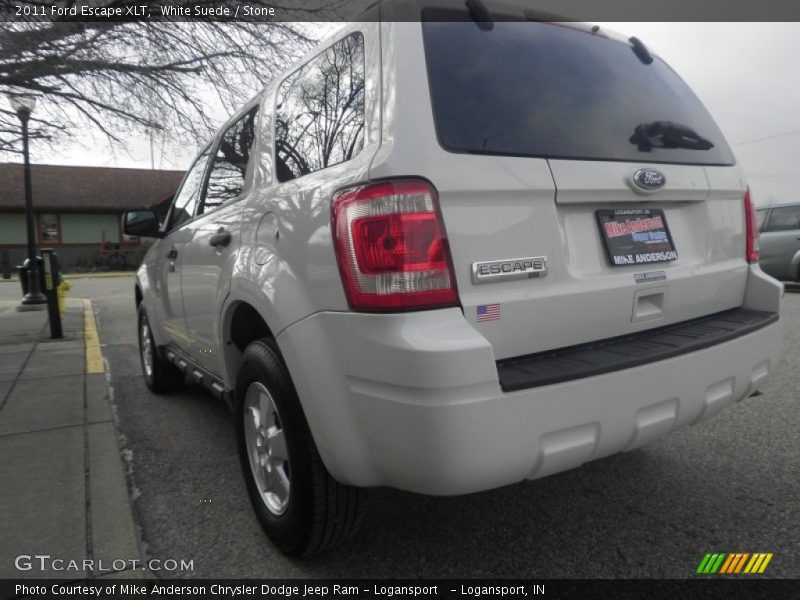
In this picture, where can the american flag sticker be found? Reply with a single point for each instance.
(487, 312)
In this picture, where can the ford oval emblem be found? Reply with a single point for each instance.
(649, 180)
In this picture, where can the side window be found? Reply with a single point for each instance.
(319, 121)
(186, 199)
(783, 218)
(761, 214)
(226, 179)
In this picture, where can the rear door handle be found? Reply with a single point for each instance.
(220, 239)
(173, 253)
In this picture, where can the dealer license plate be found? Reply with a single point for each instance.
(636, 236)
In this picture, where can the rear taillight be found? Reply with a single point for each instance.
(391, 247)
(751, 229)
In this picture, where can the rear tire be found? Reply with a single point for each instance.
(160, 375)
(301, 508)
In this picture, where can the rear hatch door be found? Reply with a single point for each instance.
(641, 223)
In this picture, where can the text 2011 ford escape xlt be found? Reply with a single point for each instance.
(446, 255)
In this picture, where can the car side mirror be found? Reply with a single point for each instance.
(141, 223)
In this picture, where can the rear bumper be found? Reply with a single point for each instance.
(414, 401)
(626, 352)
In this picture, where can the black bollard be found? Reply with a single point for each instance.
(51, 280)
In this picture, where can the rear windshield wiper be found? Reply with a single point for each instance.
(666, 134)
(480, 14)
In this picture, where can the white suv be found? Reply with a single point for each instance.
(444, 255)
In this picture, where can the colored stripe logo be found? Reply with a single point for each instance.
(733, 563)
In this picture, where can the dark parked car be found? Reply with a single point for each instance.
(780, 241)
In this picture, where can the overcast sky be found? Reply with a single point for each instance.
(745, 73)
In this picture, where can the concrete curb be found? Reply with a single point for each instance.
(114, 533)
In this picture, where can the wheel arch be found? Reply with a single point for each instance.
(245, 320)
(144, 297)
(242, 323)
(250, 305)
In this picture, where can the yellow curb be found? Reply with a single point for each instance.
(91, 340)
(106, 275)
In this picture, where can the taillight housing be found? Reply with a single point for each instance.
(391, 247)
(751, 229)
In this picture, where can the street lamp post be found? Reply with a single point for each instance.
(23, 105)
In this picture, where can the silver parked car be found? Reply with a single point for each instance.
(446, 255)
(779, 241)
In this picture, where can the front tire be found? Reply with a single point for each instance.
(160, 375)
(302, 509)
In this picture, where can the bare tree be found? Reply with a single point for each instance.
(121, 77)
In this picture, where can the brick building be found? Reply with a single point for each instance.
(78, 209)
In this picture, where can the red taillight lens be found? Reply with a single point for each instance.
(390, 244)
(751, 229)
(398, 242)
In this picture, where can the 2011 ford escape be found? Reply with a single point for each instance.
(445, 254)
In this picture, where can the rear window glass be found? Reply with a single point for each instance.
(320, 111)
(541, 89)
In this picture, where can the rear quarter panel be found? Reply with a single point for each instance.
(287, 268)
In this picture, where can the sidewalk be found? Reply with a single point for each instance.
(62, 486)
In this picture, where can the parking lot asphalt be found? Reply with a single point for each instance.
(730, 484)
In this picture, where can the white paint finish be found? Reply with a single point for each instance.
(759, 376)
(165, 309)
(382, 416)
(565, 449)
(609, 182)
(717, 396)
(652, 422)
(412, 400)
(267, 235)
(649, 303)
(205, 282)
(725, 182)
